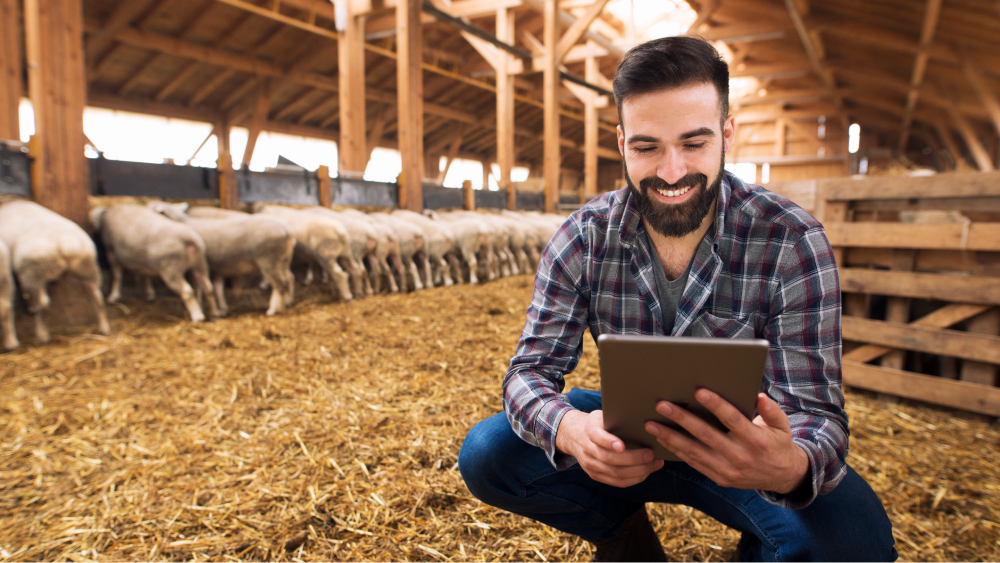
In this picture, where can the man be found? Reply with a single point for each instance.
(689, 251)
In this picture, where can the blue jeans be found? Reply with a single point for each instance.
(849, 524)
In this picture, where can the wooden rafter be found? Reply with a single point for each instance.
(931, 14)
(814, 58)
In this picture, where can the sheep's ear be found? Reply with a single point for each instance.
(156, 206)
(97, 216)
(183, 207)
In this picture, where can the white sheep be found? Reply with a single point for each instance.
(240, 245)
(7, 300)
(146, 243)
(44, 246)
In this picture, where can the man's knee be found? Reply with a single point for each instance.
(482, 458)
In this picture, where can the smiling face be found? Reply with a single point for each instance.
(674, 144)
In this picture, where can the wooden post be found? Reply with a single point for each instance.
(780, 127)
(351, 60)
(979, 372)
(590, 131)
(325, 186)
(949, 142)
(898, 308)
(486, 174)
(505, 106)
(410, 96)
(228, 192)
(10, 70)
(53, 32)
(257, 122)
(550, 82)
(468, 196)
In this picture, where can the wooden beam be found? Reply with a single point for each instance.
(942, 236)
(749, 32)
(705, 14)
(565, 19)
(478, 8)
(824, 74)
(325, 186)
(375, 135)
(588, 187)
(257, 124)
(352, 149)
(949, 315)
(206, 89)
(456, 143)
(931, 13)
(192, 66)
(121, 16)
(579, 27)
(295, 104)
(228, 194)
(985, 94)
(982, 369)
(979, 152)
(944, 133)
(505, 107)
(970, 289)
(956, 394)
(550, 81)
(410, 97)
(54, 36)
(938, 186)
(780, 128)
(10, 70)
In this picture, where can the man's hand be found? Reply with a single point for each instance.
(753, 455)
(601, 454)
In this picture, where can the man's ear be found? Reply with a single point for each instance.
(729, 132)
(621, 140)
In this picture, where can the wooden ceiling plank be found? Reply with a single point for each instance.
(121, 16)
(972, 141)
(257, 123)
(931, 15)
(326, 105)
(985, 94)
(944, 133)
(192, 66)
(572, 35)
(479, 8)
(821, 70)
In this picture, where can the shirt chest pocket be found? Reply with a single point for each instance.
(710, 326)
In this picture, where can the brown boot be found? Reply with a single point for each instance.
(635, 542)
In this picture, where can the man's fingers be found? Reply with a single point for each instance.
(685, 448)
(606, 440)
(622, 476)
(693, 424)
(771, 413)
(727, 414)
(626, 457)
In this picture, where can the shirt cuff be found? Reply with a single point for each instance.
(807, 491)
(554, 411)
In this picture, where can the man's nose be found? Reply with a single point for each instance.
(672, 167)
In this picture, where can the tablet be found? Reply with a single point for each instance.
(639, 371)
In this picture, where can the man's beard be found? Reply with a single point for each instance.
(676, 220)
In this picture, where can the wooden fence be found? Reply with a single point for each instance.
(919, 261)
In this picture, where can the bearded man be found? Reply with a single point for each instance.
(689, 251)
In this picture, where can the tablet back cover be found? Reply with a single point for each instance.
(639, 371)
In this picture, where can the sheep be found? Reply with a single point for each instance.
(242, 244)
(387, 248)
(471, 238)
(43, 247)
(318, 239)
(143, 241)
(362, 242)
(440, 243)
(7, 300)
(412, 248)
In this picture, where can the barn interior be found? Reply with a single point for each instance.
(331, 430)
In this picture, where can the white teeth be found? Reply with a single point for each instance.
(673, 193)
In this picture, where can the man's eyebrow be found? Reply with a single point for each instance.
(642, 139)
(703, 132)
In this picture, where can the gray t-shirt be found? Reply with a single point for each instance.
(669, 291)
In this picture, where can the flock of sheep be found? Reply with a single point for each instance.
(359, 253)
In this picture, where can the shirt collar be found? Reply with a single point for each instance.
(631, 219)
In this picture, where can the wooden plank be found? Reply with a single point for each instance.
(257, 124)
(946, 236)
(10, 70)
(375, 135)
(985, 94)
(969, 289)
(979, 153)
(946, 316)
(550, 83)
(815, 59)
(410, 96)
(983, 371)
(579, 27)
(325, 186)
(897, 309)
(950, 185)
(228, 195)
(989, 204)
(954, 343)
(352, 149)
(588, 188)
(478, 8)
(55, 54)
(931, 13)
(505, 106)
(945, 392)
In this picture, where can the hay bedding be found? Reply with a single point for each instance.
(332, 433)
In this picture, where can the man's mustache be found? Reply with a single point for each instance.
(657, 183)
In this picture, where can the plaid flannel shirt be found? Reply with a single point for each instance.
(771, 274)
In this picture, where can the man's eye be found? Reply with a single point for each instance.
(694, 146)
(643, 150)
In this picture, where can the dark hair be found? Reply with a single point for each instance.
(671, 62)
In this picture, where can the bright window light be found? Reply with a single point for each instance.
(26, 115)
(863, 166)
(137, 137)
(745, 171)
(765, 173)
(384, 166)
(462, 170)
(853, 138)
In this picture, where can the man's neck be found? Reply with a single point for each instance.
(676, 252)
